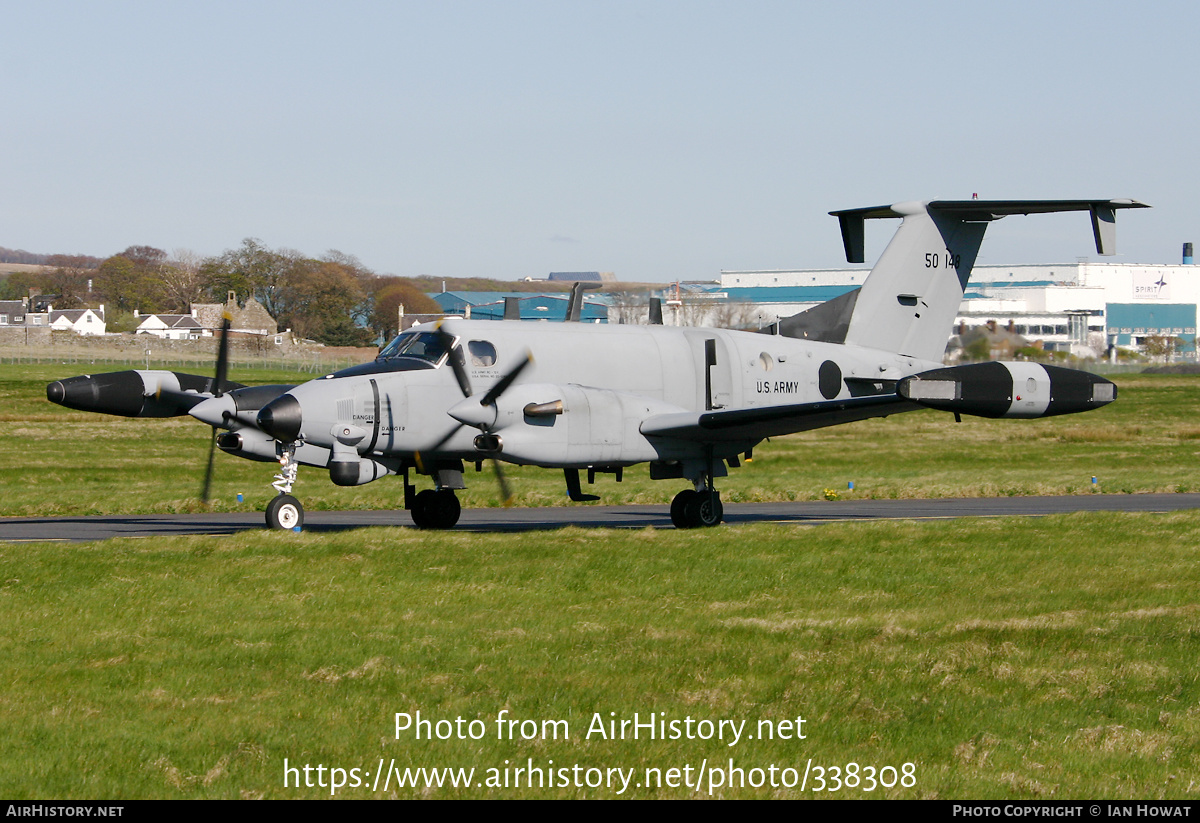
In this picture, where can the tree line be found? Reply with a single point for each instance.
(333, 299)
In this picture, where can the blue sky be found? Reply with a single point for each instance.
(658, 140)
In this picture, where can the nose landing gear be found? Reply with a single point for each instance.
(284, 511)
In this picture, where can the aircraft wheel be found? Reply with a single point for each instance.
(284, 512)
(448, 509)
(436, 509)
(705, 509)
(679, 509)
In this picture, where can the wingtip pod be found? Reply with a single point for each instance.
(1003, 389)
(133, 393)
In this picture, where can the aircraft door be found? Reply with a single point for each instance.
(714, 367)
(389, 412)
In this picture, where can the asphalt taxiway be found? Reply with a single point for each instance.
(103, 527)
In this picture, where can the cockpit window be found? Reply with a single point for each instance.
(422, 345)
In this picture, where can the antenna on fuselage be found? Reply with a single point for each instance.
(656, 311)
(575, 306)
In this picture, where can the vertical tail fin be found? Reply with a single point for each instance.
(910, 299)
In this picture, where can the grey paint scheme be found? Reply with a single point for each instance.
(629, 395)
(632, 394)
(687, 400)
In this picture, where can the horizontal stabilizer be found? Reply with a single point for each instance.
(909, 300)
(1102, 211)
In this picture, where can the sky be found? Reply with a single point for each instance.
(659, 140)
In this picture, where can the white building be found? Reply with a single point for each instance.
(169, 326)
(80, 321)
(1078, 306)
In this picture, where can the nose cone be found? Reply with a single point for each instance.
(215, 411)
(281, 418)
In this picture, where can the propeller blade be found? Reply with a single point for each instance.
(457, 362)
(507, 380)
(208, 472)
(506, 495)
(222, 356)
(218, 389)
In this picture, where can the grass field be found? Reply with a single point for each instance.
(1002, 658)
(988, 658)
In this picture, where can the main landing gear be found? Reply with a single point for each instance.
(435, 509)
(697, 508)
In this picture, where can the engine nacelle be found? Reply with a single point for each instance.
(1003, 389)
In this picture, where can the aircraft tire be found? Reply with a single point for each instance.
(285, 513)
(679, 509)
(705, 509)
(448, 509)
(436, 509)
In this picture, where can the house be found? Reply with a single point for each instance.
(12, 312)
(250, 318)
(169, 326)
(80, 321)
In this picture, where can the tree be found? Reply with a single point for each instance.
(19, 284)
(1161, 346)
(390, 294)
(117, 282)
(632, 306)
(318, 301)
(133, 279)
(253, 270)
(70, 277)
(183, 280)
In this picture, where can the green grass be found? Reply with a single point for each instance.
(1005, 658)
(1049, 658)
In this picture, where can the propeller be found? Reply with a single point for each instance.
(219, 381)
(475, 414)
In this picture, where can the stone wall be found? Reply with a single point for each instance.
(41, 340)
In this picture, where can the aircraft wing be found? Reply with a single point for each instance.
(772, 421)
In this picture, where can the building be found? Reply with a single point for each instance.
(249, 318)
(170, 326)
(489, 305)
(25, 313)
(12, 312)
(80, 321)
(1082, 307)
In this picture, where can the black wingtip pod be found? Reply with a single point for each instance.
(1002, 389)
(120, 393)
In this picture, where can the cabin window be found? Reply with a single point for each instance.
(483, 353)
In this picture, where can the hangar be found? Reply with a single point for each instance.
(1083, 308)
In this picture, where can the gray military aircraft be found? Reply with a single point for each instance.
(690, 402)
